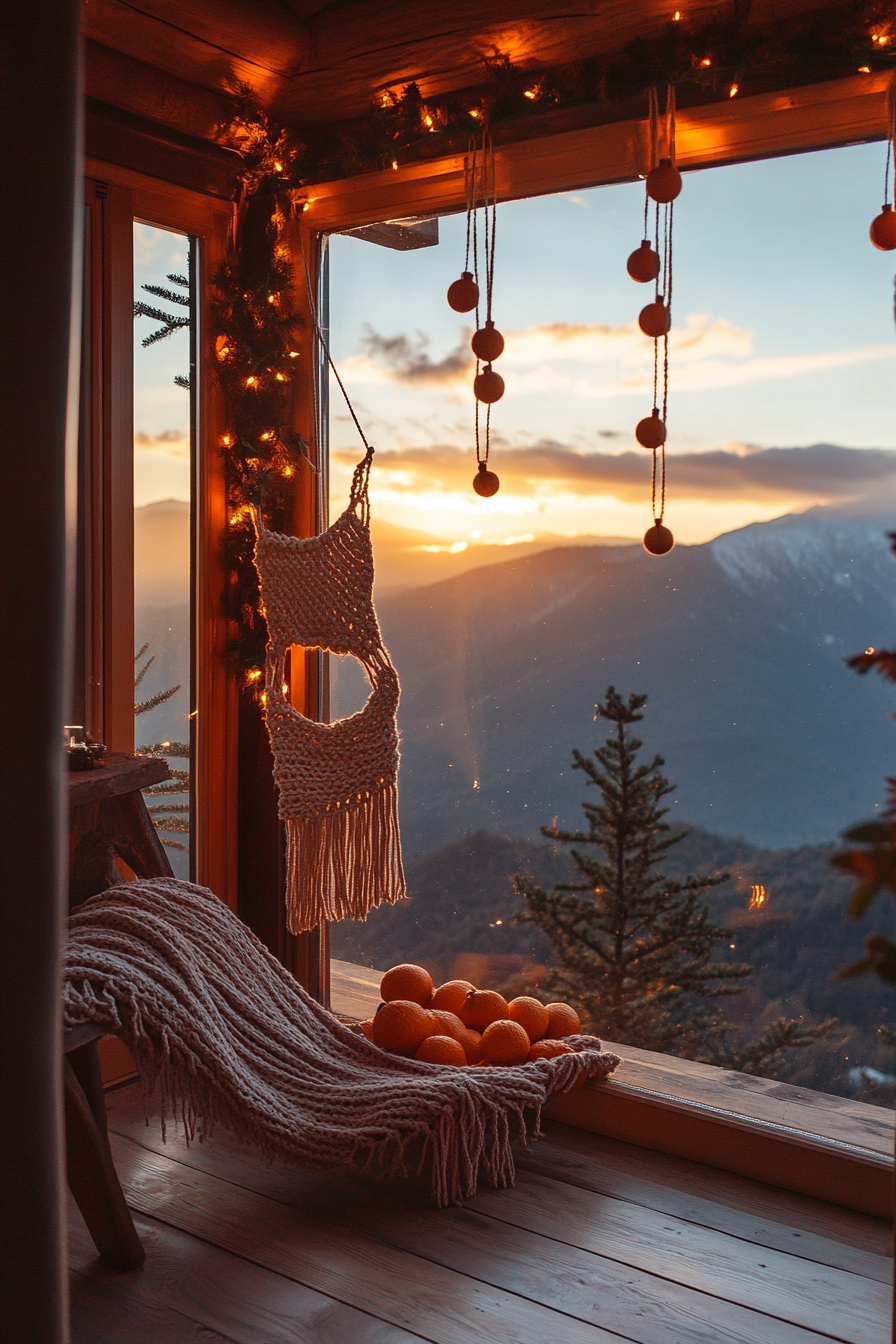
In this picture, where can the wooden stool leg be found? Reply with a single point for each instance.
(92, 1177)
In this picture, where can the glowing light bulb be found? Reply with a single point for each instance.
(226, 440)
(732, 92)
(474, 112)
(281, 377)
(676, 17)
(868, 652)
(268, 434)
(530, 93)
(395, 165)
(864, 69)
(707, 60)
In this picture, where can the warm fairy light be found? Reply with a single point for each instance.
(287, 471)
(278, 166)
(272, 298)
(226, 440)
(395, 165)
(293, 354)
(263, 697)
(864, 69)
(707, 60)
(676, 17)
(251, 381)
(427, 121)
(474, 111)
(732, 92)
(286, 688)
(281, 377)
(306, 206)
(880, 38)
(758, 898)
(530, 93)
(254, 674)
(222, 349)
(268, 434)
(868, 652)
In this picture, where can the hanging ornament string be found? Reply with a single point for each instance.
(487, 343)
(883, 228)
(662, 185)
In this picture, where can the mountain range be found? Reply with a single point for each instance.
(739, 644)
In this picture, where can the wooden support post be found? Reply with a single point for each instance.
(40, 256)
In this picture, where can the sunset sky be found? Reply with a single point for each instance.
(782, 361)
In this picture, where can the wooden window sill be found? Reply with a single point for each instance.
(791, 1137)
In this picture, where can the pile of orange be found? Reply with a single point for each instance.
(460, 1024)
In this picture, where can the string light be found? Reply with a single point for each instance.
(278, 166)
(251, 381)
(281, 377)
(530, 93)
(732, 92)
(707, 61)
(268, 434)
(395, 165)
(474, 111)
(293, 354)
(864, 69)
(676, 17)
(227, 440)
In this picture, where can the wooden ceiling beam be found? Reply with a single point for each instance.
(361, 49)
(133, 86)
(217, 44)
(816, 116)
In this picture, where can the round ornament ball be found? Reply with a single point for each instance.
(643, 265)
(663, 182)
(651, 431)
(463, 295)
(485, 482)
(658, 540)
(488, 342)
(488, 385)
(883, 230)
(654, 319)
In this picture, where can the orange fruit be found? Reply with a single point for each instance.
(446, 1024)
(451, 995)
(548, 1050)
(441, 1050)
(409, 983)
(481, 1007)
(531, 1015)
(472, 1044)
(562, 1021)
(367, 1028)
(401, 1026)
(504, 1042)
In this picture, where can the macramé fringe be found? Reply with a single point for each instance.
(343, 863)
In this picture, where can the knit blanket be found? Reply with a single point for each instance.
(225, 1034)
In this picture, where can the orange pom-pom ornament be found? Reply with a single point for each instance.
(663, 182)
(485, 482)
(644, 264)
(487, 343)
(488, 385)
(883, 230)
(651, 432)
(658, 540)
(463, 295)
(655, 319)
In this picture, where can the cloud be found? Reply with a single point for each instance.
(705, 353)
(175, 442)
(735, 472)
(408, 361)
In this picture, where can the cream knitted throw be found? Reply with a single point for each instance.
(338, 782)
(229, 1036)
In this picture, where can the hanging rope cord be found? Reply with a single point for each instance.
(662, 287)
(361, 477)
(489, 200)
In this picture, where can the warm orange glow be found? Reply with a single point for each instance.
(222, 349)
(758, 898)
(676, 17)
(732, 92)
(530, 93)
(254, 674)
(427, 121)
(395, 165)
(869, 651)
(707, 60)
(474, 111)
(278, 166)
(287, 471)
(226, 440)
(864, 69)
(268, 434)
(306, 206)
(281, 377)
(293, 354)
(272, 298)
(880, 38)
(250, 382)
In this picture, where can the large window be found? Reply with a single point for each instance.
(508, 618)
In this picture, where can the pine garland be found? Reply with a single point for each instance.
(726, 57)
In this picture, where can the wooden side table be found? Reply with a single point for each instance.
(109, 822)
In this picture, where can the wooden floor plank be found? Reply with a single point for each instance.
(413, 1293)
(829, 1301)
(605, 1166)
(187, 1280)
(605, 1292)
